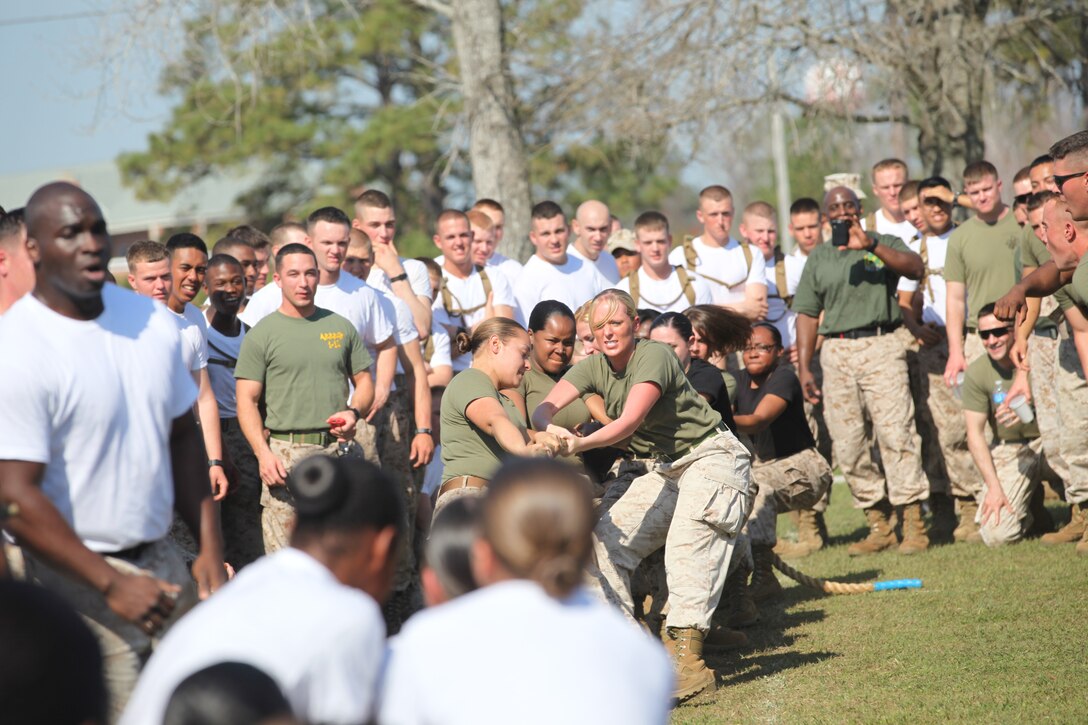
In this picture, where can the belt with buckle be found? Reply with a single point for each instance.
(1051, 332)
(859, 332)
(674, 457)
(461, 482)
(310, 437)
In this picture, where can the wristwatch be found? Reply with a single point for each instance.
(424, 430)
(358, 415)
(402, 277)
(872, 246)
(212, 462)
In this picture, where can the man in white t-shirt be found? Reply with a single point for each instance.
(939, 417)
(328, 234)
(782, 272)
(469, 293)
(888, 177)
(592, 225)
(392, 273)
(16, 259)
(734, 273)
(306, 615)
(656, 284)
(494, 211)
(98, 443)
(552, 273)
(151, 273)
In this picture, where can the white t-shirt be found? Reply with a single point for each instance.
(904, 229)
(778, 313)
(571, 283)
(583, 663)
(440, 347)
(194, 337)
(667, 295)
(605, 263)
(286, 614)
(222, 358)
(508, 266)
(726, 264)
(934, 293)
(404, 327)
(349, 297)
(95, 402)
(418, 278)
(466, 294)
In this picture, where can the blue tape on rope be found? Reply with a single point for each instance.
(897, 584)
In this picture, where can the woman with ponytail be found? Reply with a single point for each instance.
(481, 426)
(530, 646)
(695, 497)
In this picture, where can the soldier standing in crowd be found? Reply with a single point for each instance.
(656, 284)
(552, 273)
(592, 225)
(946, 459)
(735, 275)
(17, 259)
(302, 360)
(981, 264)
(846, 294)
(100, 540)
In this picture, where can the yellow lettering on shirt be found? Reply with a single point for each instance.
(333, 339)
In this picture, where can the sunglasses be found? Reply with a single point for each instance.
(1021, 198)
(1059, 180)
(996, 332)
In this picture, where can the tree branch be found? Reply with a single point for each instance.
(436, 6)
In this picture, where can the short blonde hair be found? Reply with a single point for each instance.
(616, 300)
(481, 220)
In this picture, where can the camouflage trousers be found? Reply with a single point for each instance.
(1043, 358)
(1019, 469)
(125, 647)
(277, 503)
(791, 483)
(870, 375)
(695, 507)
(240, 511)
(814, 415)
(366, 435)
(1073, 410)
(938, 415)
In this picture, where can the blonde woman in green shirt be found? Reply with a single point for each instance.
(480, 425)
(693, 501)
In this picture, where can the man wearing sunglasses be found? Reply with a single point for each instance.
(1010, 461)
(1071, 172)
(1021, 189)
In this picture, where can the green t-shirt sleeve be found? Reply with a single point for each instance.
(977, 388)
(657, 364)
(953, 261)
(1063, 299)
(466, 388)
(359, 356)
(807, 300)
(895, 243)
(1027, 249)
(252, 360)
(1078, 286)
(583, 375)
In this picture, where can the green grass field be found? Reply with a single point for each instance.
(995, 636)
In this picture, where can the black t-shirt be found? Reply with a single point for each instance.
(787, 434)
(707, 381)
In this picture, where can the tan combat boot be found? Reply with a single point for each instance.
(692, 674)
(915, 538)
(790, 549)
(764, 583)
(1072, 532)
(967, 531)
(881, 531)
(810, 535)
(740, 607)
(719, 638)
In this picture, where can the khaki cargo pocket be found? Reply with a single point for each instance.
(724, 482)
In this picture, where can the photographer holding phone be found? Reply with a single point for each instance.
(852, 283)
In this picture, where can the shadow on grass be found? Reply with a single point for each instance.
(841, 539)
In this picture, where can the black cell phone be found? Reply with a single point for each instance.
(840, 232)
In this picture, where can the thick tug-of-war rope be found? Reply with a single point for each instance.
(833, 587)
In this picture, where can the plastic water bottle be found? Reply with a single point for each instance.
(999, 393)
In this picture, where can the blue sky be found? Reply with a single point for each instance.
(59, 114)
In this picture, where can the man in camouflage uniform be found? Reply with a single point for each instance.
(865, 369)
